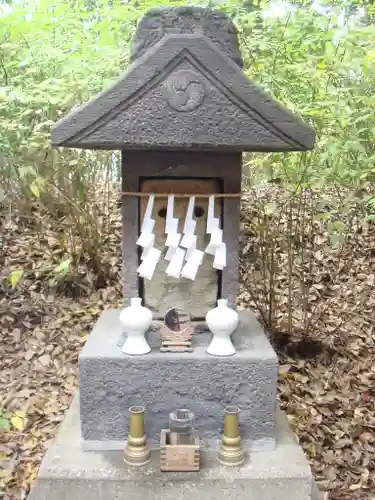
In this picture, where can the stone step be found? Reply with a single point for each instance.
(69, 473)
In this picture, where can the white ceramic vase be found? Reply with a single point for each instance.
(136, 320)
(222, 321)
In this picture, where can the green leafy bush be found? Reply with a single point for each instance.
(55, 55)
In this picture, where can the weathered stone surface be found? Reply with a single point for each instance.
(188, 105)
(68, 473)
(184, 93)
(111, 382)
(215, 25)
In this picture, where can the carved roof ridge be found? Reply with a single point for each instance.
(156, 63)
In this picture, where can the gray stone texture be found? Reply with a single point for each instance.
(184, 93)
(226, 167)
(111, 382)
(68, 473)
(214, 118)
(215, 25)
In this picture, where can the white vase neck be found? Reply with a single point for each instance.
(222, 303)
(136, 301)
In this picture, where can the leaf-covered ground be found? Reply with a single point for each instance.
(327, 379)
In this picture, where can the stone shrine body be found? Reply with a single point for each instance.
(181, 115)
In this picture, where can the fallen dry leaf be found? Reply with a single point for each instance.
(45, 360)
(19, 420)
(327, 373)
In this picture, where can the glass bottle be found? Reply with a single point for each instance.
(181, 426)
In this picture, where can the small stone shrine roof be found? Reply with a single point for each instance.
(185, 89)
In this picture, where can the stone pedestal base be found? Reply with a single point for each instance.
(111, 382)
(69, 473)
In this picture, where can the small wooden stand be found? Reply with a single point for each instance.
(176, 341)
(178, 457)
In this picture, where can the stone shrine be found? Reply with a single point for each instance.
(181, 115)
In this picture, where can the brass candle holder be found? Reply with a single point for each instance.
(137, 452)
(231, 453)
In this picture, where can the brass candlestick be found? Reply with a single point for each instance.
(137, 452)
(231, 452)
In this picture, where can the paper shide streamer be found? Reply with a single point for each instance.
(150, 255)
(171, 230)
(193, 257)
(183, 256)
(216, 245)
(175, 254)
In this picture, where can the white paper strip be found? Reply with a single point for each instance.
(170, 253)
(190, 227)
(147, 248)
(148, 226)
(189, 216)
(188, 240)
(215, 241)
(175, 265)
(210, 214)
(191, 267)
(212, 222)
(220, 260)
(173, 240)
(215, 224)
(145, 239)
(191, 248)
(148, 214)
(147, 268)
(217, 237)
(170, 207)
(171, 224)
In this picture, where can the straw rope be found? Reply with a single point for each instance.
(183, 195)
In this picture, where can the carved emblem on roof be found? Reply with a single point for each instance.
(185, 90)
